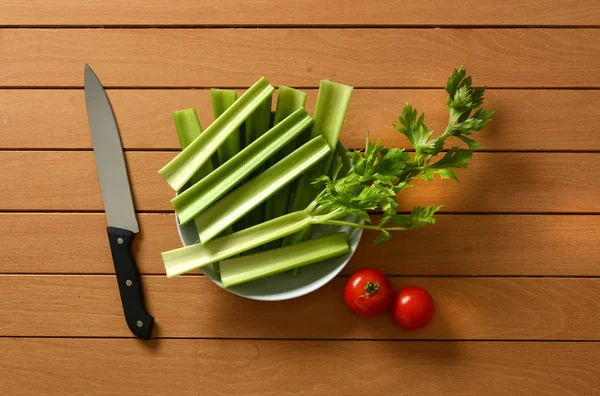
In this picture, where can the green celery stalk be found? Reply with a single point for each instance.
(244, 269)
(259, 122)
(201, 195)
(187, 126)
(188, 129)
(288, 101)
(239, 202)
(222, 99)
(257, 125)
(182, 260)
(179, 170)
(330, 112)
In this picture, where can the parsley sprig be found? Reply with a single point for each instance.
(378, 175)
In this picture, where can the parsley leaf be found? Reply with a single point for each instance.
(379, 174)
(454, 158)
(414, 129)
(463, 100)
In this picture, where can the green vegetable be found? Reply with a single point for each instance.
(256, 125)
(247, 268)
(179, 261)
(330, 112)
(188, 258)
(222, 99)
(288, 101)
(259, 122)
(201, 195)
(185, 164)
(237, 203)
(372, 184)
(188, 129)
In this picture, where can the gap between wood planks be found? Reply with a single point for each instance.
(473, 213)
(363, 87)
(175, 150)
(79, 211)
(341, 276)
(515, 340)
(300, 26)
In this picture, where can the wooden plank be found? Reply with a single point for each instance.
(180, 367)
(84, 366)
(455, 245)
(191, 306)
(536, 183)
(495, 182)
(488, 245)
(525, 119)
(303, 13)
(358, 57)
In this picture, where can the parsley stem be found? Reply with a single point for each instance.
(365, 226)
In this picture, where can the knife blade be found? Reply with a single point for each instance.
(118, 203)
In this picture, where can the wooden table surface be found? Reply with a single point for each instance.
(513, 262)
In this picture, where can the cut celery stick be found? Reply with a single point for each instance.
(244, 269)
(255, 126)
(288, 101)
(330, 111)
(259, 122)
(188, 129)
(201, 195)
(222, 99)
(237, 203)
(185, 164)
(187, 126)
(185, 259)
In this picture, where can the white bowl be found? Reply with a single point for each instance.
(285, 286)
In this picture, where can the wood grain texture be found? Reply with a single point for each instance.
(494, 182)
(180, 367)
(358, 57)
(456, 245)
(303, 13)
(525, 119)
(191, 306)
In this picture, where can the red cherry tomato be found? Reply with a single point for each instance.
(368, 292)
(412, 307)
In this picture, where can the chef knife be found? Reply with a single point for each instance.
(118, 202)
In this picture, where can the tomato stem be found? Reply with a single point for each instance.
(371, 288)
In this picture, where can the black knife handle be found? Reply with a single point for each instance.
(130, 287)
